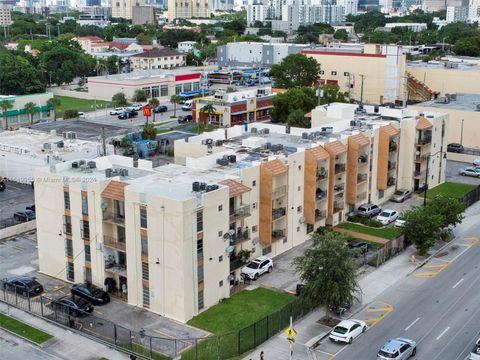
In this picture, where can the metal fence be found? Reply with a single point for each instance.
(152, 347)
(471, 197)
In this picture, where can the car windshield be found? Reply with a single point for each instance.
(340, 330)
(32, 283)
(385, 214)
(361, 208)
(253, 265)
(96, 291)
(398, 192)
(387, 355)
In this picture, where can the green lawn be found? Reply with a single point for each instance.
(22, 329)
(241, 310)
(140, 350)
(386, 233)
(83, 105)
(450, 189)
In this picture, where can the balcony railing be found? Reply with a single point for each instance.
(391, 181)
(240, 236)
(361, 178)
(339, 187)
(424, 141)
(392, 146)
(338, 205)
(320, 195)
(236, 264)
(422, 156)
(419, 173)
(112, 267)
(114, 218)
(320, 214)
(114, 243)
(361, 197)
(278, 234)
(363, 159)
(392, 165)
(240, 212)
(339, 168)
(279, 191)
(278, 213)
(322, 174)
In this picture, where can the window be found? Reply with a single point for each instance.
(178, 89)
(200, 274)
(333, 73)
(88, 275)
(298, 228)
(299, 167)
(200, 249)
(70, 272)
(66, 199)
(200, 300)
(220, 283)
(143, 218)
(322, 72)
(380, 194)
(85, 229)
(220, 258)
(254, 205)
(145, 271)
(144, 243)
(284, 240)
(220, 207)
(254, 228)
(88, 256)
(155, 91)
(346, 73)
(196, 86)
(67, 225)
(199, 221)
(220, 233)
(69, 248)
(254, 183)
(84, 204)
(187, 87)
(147, 91)
(299, 188)
(146, 297)
(163, 90)
(299, 209)
(309, 228)
(267, 250)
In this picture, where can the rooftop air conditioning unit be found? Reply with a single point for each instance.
(47, 146)
(222, 162)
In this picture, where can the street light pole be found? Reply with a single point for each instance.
(461, 133)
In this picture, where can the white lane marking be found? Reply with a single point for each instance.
(413, 323)
(461, 253)
(458, 283)
(443, 333)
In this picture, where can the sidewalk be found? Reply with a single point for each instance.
(309, 330)
(65, 344)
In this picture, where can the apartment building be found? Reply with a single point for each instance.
(169, 238)
(5, 15)
(158, 59)
(188, 9)
(124, 8)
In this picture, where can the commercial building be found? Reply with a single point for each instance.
(158, 59)
(181, 9)
(161, 84)
(235, 108)
(169, 237)
(415, 27)
(255, 54)
(17, 116)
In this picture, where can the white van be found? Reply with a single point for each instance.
(187, 106)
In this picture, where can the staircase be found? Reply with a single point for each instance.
(419, 91)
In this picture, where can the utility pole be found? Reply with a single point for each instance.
(361, 89)
(104, 142)
(461, 133)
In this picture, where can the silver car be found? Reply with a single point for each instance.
(397, 349)
(470, 171)
(369, 210)
(401, 195)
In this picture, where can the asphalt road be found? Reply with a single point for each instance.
(437, 306)
(14, 348)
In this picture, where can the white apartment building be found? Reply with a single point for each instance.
(457, 14)
(157, 59)
(349, 6)
(5, 16)
(186, 46)
(473, 11)
(415, 27)
(187, 9)
(169, 237)
(257, 12)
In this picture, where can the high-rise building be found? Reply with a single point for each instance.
(187, 9)
(5, 15)
(124, 8)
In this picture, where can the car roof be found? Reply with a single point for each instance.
(394, 345)
(261, 258)
(25, 279)
(388, 210)
(347, 323)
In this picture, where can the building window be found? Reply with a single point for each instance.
(143, 218)
(298, 228)
(220, 258)
(146, 297)
(254, 228)
(309, 228)
(200, 300)
(380, 194)
(267, 250)
(254, 183)
(285, 240)
(322, 72)
(299, 188)
(155, 91)
(220, 233)
(346, 73)
(199, 221)
(178, 89)
(84, 205)
(254, 205)
(200, 274)
(88, 256)
(334, 73)
(220, 207)
(163, 90)
(196, 86)
(147, 91)
(69, 248)
(85, 229)
(66, 199)
(187, 87)
(145, 271)
(144, 243)
(220, 283)
(299, 209)
(70, 272)
(88, 275)
(67, 225)
(200, 249)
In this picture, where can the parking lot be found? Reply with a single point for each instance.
(452, 173)
(14, 198)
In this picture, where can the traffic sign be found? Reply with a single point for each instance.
(291, 333)
(291, 340)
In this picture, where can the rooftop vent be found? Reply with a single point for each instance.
(195, 186)
(92, 164)
(254, 130)
(222, 162)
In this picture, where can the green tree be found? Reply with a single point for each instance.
(113, 64)
(54, 103)
(175, 99)
(303, 99)
(61, 64)
(6, 105)
(332, 93)
(149, 132)
(144, 39)
(450, 209)
(422, 227)
(368, 21)
(297, 119)
(139, 96)
(70, 114)
(127, 146)
(18, 76)
(30, 109)
(469, 46)
(327, 270)
(119, 99)
(296, 70)
(153, 102)
(341, 34)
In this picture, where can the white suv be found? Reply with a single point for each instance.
(257, 267)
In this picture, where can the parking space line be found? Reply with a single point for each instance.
(458, 283)
(387, 310)
(413, 323)
(443, 333)
(59, 287)
(326, 353)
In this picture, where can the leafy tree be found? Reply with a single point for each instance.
(113, 64)
(303, 99)
(54, 103)
(70, 114)
(332, 93)
(61, 63)
(341, 34)
(422, 227)
(175, 99)
(296, 70)
(30, 108)
(119, 99)
(153, 102)
(450, 209)
(149, 132)
(328, 271)
(368, 21)
(18, 76)
(139, 96)
(144, 39)
(297, 119)
(127, 146)
(469, 46)
(6, 105)
(315, 29)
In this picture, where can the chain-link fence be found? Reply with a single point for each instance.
(151, 347)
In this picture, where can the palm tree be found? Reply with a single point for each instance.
(54, 103)
(210, 110)
(175, 99)
(5, 105)
(30, 109)
(153, 102)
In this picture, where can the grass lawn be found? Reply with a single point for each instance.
(450, 189)
(22, 329)
(83, 105)
(140, 350)
(386, 233)
(240, 310)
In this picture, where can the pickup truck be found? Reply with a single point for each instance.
(475, 354)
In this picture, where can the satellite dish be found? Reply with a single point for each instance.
(301, 220)
(104, 205)
(230, 249)
(231, 232)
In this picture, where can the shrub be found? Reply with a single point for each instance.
(70, 114)
(365, 221)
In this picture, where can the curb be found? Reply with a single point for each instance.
(420, 265)
(42, 345)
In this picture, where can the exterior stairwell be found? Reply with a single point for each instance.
(419, 91)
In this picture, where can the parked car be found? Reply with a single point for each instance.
(187, 106)
(126, 115)
(369, 210)
(455, 147)
(387, 216)
(137, 107)
(117, 111)
(91, 293)
(257, 267)
(74, 306)
(24, 216)
(26, 286)
(347, 330)
(340, 310)
(397, 349)
(160, 109)
(132, 110)
(401, 195)
(400, 222)
(475, 354)
(2, 185)
(184, 119)
(470, 171)
(81, 115)
(30, 207)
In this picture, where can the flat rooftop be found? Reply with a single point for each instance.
(459, 63)
(467, 102)
(145, 74)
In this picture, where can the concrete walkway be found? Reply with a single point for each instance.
(372, 284)
(65, 344)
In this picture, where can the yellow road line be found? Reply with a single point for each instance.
(434, 266)
(387, 310)
(377, 309)
(60, 287)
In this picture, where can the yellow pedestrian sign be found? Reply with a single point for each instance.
(291, 333)
(291, 340)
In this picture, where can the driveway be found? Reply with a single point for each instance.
(15, 198)
(452, 174)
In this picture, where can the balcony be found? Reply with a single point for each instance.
(278, 234)
(338, 205)
(322, 174)
(361, 178)
(114, 268)
(320, 214)
(339, 168)
(392, 165)
(279, 191)
(114, 218)
(422, 157)
(236, 263)
(320, 195)
(242, 235)
(339, 187)
(114, 243)
(278, 213)
(424, 141)
(361, 197)
(239, 213)
(363, 159)
(391, 181)
(392, 146)
(419, 173)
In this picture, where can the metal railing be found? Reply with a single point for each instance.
(391, 181)
(424, 141)
(240, 212)
(322, 174)
(115, 268)
(361, 196)
(339, 187)
(320, 214)
(278, 213)
(114, 243)
(339, 168)
(236, 264)
(321, 195)
(240, 236)
(392, 165)
(279, 191)
(362, 178)
(337, 206)
(114, 217)
(419, 173)
(278, 234)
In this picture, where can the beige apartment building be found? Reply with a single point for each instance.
(124, 8)
(170, 237)
(157, 59)
(188, 9)
(5, 15)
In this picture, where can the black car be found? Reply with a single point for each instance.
(74, 306)
(2, 185)
(127, 114)
(26, 286)
(455, 147)
(91, 293)
(24, 216)
(160, 109)
(184, 119)
(30, 207)
(340, 310)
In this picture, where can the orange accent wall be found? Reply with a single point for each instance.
(353, 153)
(382, 161)
(265, 226)
(310, 185)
